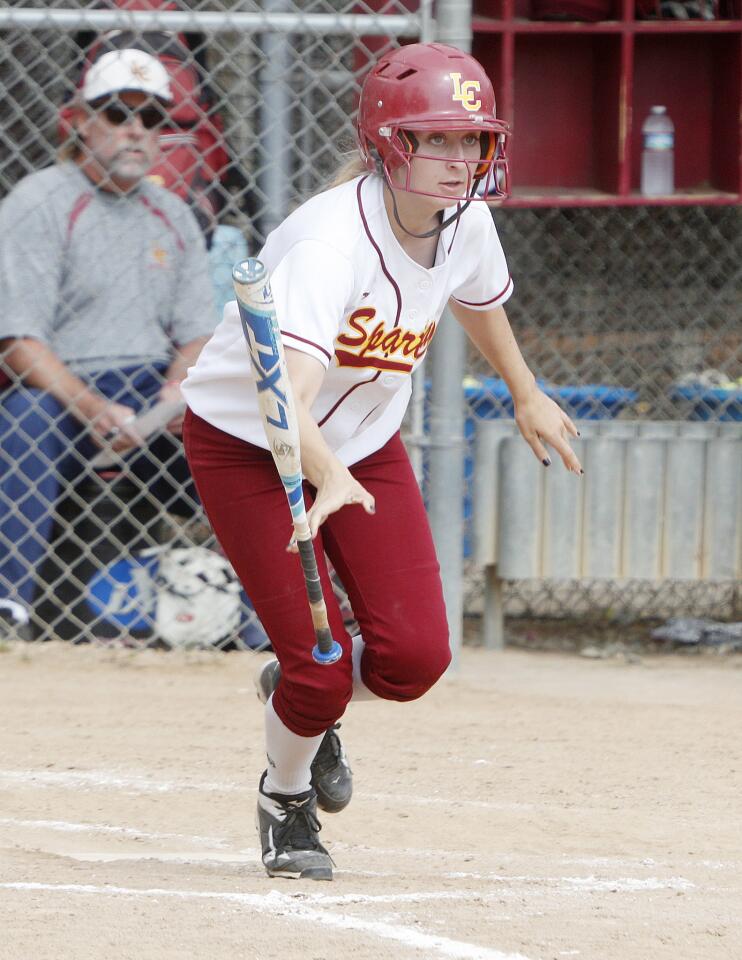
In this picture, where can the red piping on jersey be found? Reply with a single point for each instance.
(82, 201)
(377, 248)
(311, 343)
(163, 216)
(397, 292)
(347, 393)
(483, 303)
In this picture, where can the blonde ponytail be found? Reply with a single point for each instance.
(352, 166)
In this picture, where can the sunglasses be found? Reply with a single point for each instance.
(118, 113)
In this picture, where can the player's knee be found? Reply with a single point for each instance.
(308, 711)
(407, 674)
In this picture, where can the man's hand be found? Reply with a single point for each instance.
(541, 421)
(114, 425)
(171, 393)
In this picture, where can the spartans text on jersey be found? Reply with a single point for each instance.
(379, 347)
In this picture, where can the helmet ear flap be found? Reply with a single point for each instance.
(409, 141)
(376, 161)
(396, 146)
(368, 152)
(488, 143)
(402, 145)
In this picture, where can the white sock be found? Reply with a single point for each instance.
(360, 690)
(289, 755)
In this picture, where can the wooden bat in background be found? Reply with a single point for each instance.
(260, 326)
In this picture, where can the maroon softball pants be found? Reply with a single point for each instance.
(387, 564)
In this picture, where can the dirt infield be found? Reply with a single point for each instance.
(534, 805)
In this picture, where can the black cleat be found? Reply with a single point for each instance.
(289, 836)
(266, 680)
(332, 777)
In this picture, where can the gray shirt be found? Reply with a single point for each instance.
(104, 280)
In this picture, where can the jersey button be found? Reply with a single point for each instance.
(388, 380)
(411, 314)
(424, 285)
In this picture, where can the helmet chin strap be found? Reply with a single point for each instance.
(436, 230)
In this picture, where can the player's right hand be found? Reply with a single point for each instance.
(338, 490)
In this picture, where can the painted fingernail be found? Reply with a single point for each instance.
(582, 472)
(579, 434)
(546, 462)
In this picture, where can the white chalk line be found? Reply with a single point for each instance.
(250, 854)
(65, 826)
(248, 858)
(79, 779)
(508, 886)
(467, 855)
(286, 907)
(411, 800)
(628, 884)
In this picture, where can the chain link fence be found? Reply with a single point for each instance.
(264, 99)
(622, 312)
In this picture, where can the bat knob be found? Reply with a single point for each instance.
(249, 271)
(330, 656)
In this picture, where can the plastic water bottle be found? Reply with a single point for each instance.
(658, 155)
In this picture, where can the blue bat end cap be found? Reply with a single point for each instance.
(248, 271)
(332, 656)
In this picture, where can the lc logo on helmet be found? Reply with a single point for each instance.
(465, 93)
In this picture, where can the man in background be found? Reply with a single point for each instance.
(105, 301)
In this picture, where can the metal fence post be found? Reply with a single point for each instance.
(275, 174)
(448, 358)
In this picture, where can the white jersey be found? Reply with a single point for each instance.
(347, 293)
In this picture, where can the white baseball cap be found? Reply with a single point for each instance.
(126, 70)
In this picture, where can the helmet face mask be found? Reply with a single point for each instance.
(431, 87)
(486, 175)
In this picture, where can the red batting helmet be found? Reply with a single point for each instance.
(430, 86)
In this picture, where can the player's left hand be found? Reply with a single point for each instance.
(541, 421)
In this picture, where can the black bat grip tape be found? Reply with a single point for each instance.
(311, 574)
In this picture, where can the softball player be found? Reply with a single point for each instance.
(361, 275)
